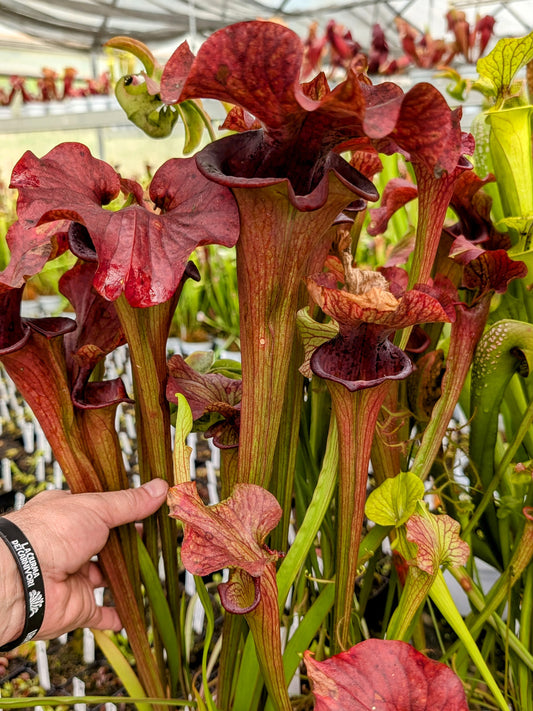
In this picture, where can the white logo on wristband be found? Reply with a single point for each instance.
(36, 601)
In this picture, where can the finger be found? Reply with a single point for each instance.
(95, 575)
(119, 507)
(105, 618)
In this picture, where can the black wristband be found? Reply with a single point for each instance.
(32, 581)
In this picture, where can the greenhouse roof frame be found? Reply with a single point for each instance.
(84, 25)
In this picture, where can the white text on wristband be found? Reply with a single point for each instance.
(32, 580)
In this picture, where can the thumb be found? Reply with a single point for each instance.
(128, 505)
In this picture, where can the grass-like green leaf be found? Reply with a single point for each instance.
(122, 668)
(210, 629)
(161, 612)
(182, 452)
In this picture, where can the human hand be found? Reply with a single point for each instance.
(66, 531)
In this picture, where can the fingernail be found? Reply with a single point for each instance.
(156, 488)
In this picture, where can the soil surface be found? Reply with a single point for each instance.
(19, 677)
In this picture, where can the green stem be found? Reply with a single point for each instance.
(441, 597)
(233, 629)
(320, 401)
(434, 196)
(247, 687)
(319, 504)
(477, 600)
(525, 424)
(206, 119)
(229, 462)
(387, 445)
(104, 449)
(356, 414)
(265, 629)
(522, 556)
(146, 332)
(525, 676)
(514, 405)
(415, 591)
(286, 446)
(278, 246)
(510, 147)
(465, 334)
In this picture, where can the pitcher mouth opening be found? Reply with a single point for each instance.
(245, 160)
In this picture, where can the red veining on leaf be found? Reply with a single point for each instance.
(257, 66)
(348, 310)
(98, 332)
(486, 270)
(208, 392)
(230, 534)
(362, 355)
(397, 193)
(438, 542)
(235, 594)
(385, 675)
(142, 252)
